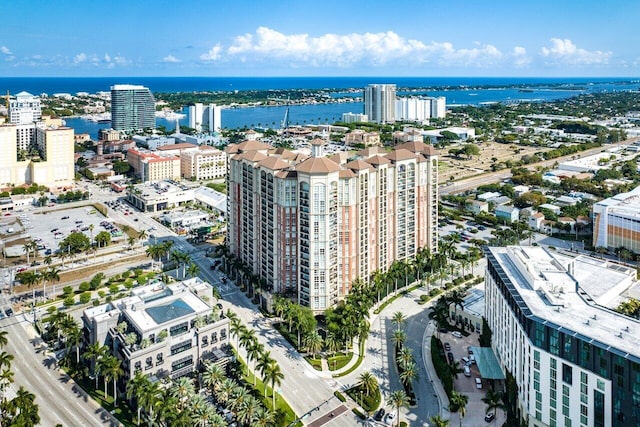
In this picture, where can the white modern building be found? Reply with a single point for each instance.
(24, 109)
(380, 103)
(206, 118)
(576, 361)
(616, 221)
(413, 109)
(158, 196)
(354, 118)
(161, 330)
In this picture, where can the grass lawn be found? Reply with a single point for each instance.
(316, 363)
(339, 361)
(369, 403)
(281, 405)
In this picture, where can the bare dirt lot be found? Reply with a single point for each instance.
(490, 152)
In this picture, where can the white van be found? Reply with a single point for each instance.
(478, 383)
(467, 371)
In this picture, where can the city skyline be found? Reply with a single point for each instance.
(406, 38)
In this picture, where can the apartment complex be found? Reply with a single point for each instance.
(132, 108)
(420, 109)
(207, 118)
(151, 166)
(380, 103)
(36, 153)
(576, 361)
(161, 330)
(360, 137)
(203, 162)
(616, 222)
(311, 225)
(24, 109)
(354, 118)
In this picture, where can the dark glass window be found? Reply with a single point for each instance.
(567, 374)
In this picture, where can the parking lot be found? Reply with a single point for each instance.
(475, 409)
(48, 229)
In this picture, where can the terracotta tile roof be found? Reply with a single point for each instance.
(358, 165)
(317, 165)
(371, 151)
(346, 173)
(401, 154)
(377, 160)
(253, 156)
(273, 163)
(286, 174)
(317, 141)
(418, 147)
(340, 157)
(253, 145)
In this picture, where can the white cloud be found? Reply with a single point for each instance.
(346, 50)
(213, 54)
(170, 58)
(520, 57)
(80, 58)
(564, 51)
(5, 50)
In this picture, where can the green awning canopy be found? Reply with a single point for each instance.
(488, 364)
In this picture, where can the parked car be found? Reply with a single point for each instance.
(489, 417)
(379, 415)
(465, 360)
(447, 346)
(478, 383)
(467, 371)
(450, 357)
(65, 217)
(456, 334)
(390, 417)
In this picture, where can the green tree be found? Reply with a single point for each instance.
(313, 343)
(398, 399)
(274, 376)
(367, 382)
(458, 402)
(493, 400)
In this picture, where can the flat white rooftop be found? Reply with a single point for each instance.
(573, 293)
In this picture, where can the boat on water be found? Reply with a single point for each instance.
(99, 118)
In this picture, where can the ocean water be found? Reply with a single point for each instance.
(457, 90)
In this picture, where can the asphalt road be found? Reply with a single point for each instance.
(59, 399)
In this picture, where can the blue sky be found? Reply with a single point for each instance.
(319, 38)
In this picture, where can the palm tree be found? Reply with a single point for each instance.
(51, 274)
(264, 361)
(398, 338)
(247, 337)
(493, 400)
(213, 376)
(150, 397)
(113, 371)
(254, 350)
(5, 359)
(135, 389)
(399, 319)
(398, 399)
(263, 418)
(367, 382)
(456, 297)
(437, 421)
(313, 342)
(3, 338)
(193, 269)
(459, 401)
(24, 408)
(238, 397)
(94, 353)
(275, 376)
(247, 411)
(236, 329)
(405, 356)
(182, 389)
(409, 373)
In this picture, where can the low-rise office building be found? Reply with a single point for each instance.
(575, 360)
(152, 166)
(161, 330)
(155, 197)
(616, 222)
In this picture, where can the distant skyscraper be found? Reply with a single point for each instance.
(132, 108)
(24, 109)
(380, 103)
(207, 118)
